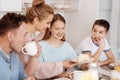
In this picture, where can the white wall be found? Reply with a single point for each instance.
(79, 23)
(10, 6)
(115, 24)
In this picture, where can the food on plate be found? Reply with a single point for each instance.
(83, 57)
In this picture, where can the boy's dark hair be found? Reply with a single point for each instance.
(11, 21)
(102, 22)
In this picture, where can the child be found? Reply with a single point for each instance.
(54, 46)
(97, 46)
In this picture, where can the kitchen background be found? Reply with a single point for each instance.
(80, 15)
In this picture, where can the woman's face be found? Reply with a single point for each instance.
(44, 24)
(98, 32)
(58, 30)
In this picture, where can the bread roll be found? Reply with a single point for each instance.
(83, 57)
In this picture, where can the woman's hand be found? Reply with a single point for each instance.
(69, 64)
(84, 66)
(38, 49)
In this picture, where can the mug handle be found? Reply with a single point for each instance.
(71, 75)
(24, 51)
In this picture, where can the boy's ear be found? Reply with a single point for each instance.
(107, 33)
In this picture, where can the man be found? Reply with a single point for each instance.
(13, 36)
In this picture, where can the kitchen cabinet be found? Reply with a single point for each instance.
(10, 5)
(69, 5)
(64, 5)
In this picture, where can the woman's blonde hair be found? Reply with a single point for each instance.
(39, 9)
(57, 17)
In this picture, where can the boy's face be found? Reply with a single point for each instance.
(19, 37)
(98, 32)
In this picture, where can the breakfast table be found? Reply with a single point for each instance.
(104, 74)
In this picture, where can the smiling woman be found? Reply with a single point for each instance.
(39, 17)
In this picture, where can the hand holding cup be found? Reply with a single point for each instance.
(30, 48)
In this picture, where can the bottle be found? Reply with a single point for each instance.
(115, 75)
(93, 70)
(117, 65)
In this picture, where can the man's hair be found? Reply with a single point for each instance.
(11, 21)
(102, 22)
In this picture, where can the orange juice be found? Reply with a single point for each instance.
(117, 65)
(117, 68)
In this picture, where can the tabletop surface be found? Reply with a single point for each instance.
(104, 73)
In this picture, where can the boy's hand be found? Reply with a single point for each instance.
(101, 43)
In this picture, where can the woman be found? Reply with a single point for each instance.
(39, 17)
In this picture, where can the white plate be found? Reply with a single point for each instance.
(86, 61)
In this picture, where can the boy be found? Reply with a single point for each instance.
(96, 46)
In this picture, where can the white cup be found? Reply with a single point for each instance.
(77, 75)
(115, 75)
(30, 48)
(85, 75)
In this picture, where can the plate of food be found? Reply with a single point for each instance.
(82, 58)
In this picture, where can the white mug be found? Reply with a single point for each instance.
(76, 75)
(85, 75)
(30, 48)
(115, 75)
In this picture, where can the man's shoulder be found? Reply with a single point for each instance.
(15, 56)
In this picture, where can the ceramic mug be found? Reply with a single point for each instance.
(115, 75)
(76, 75)
(85, 75)
(30, 48)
